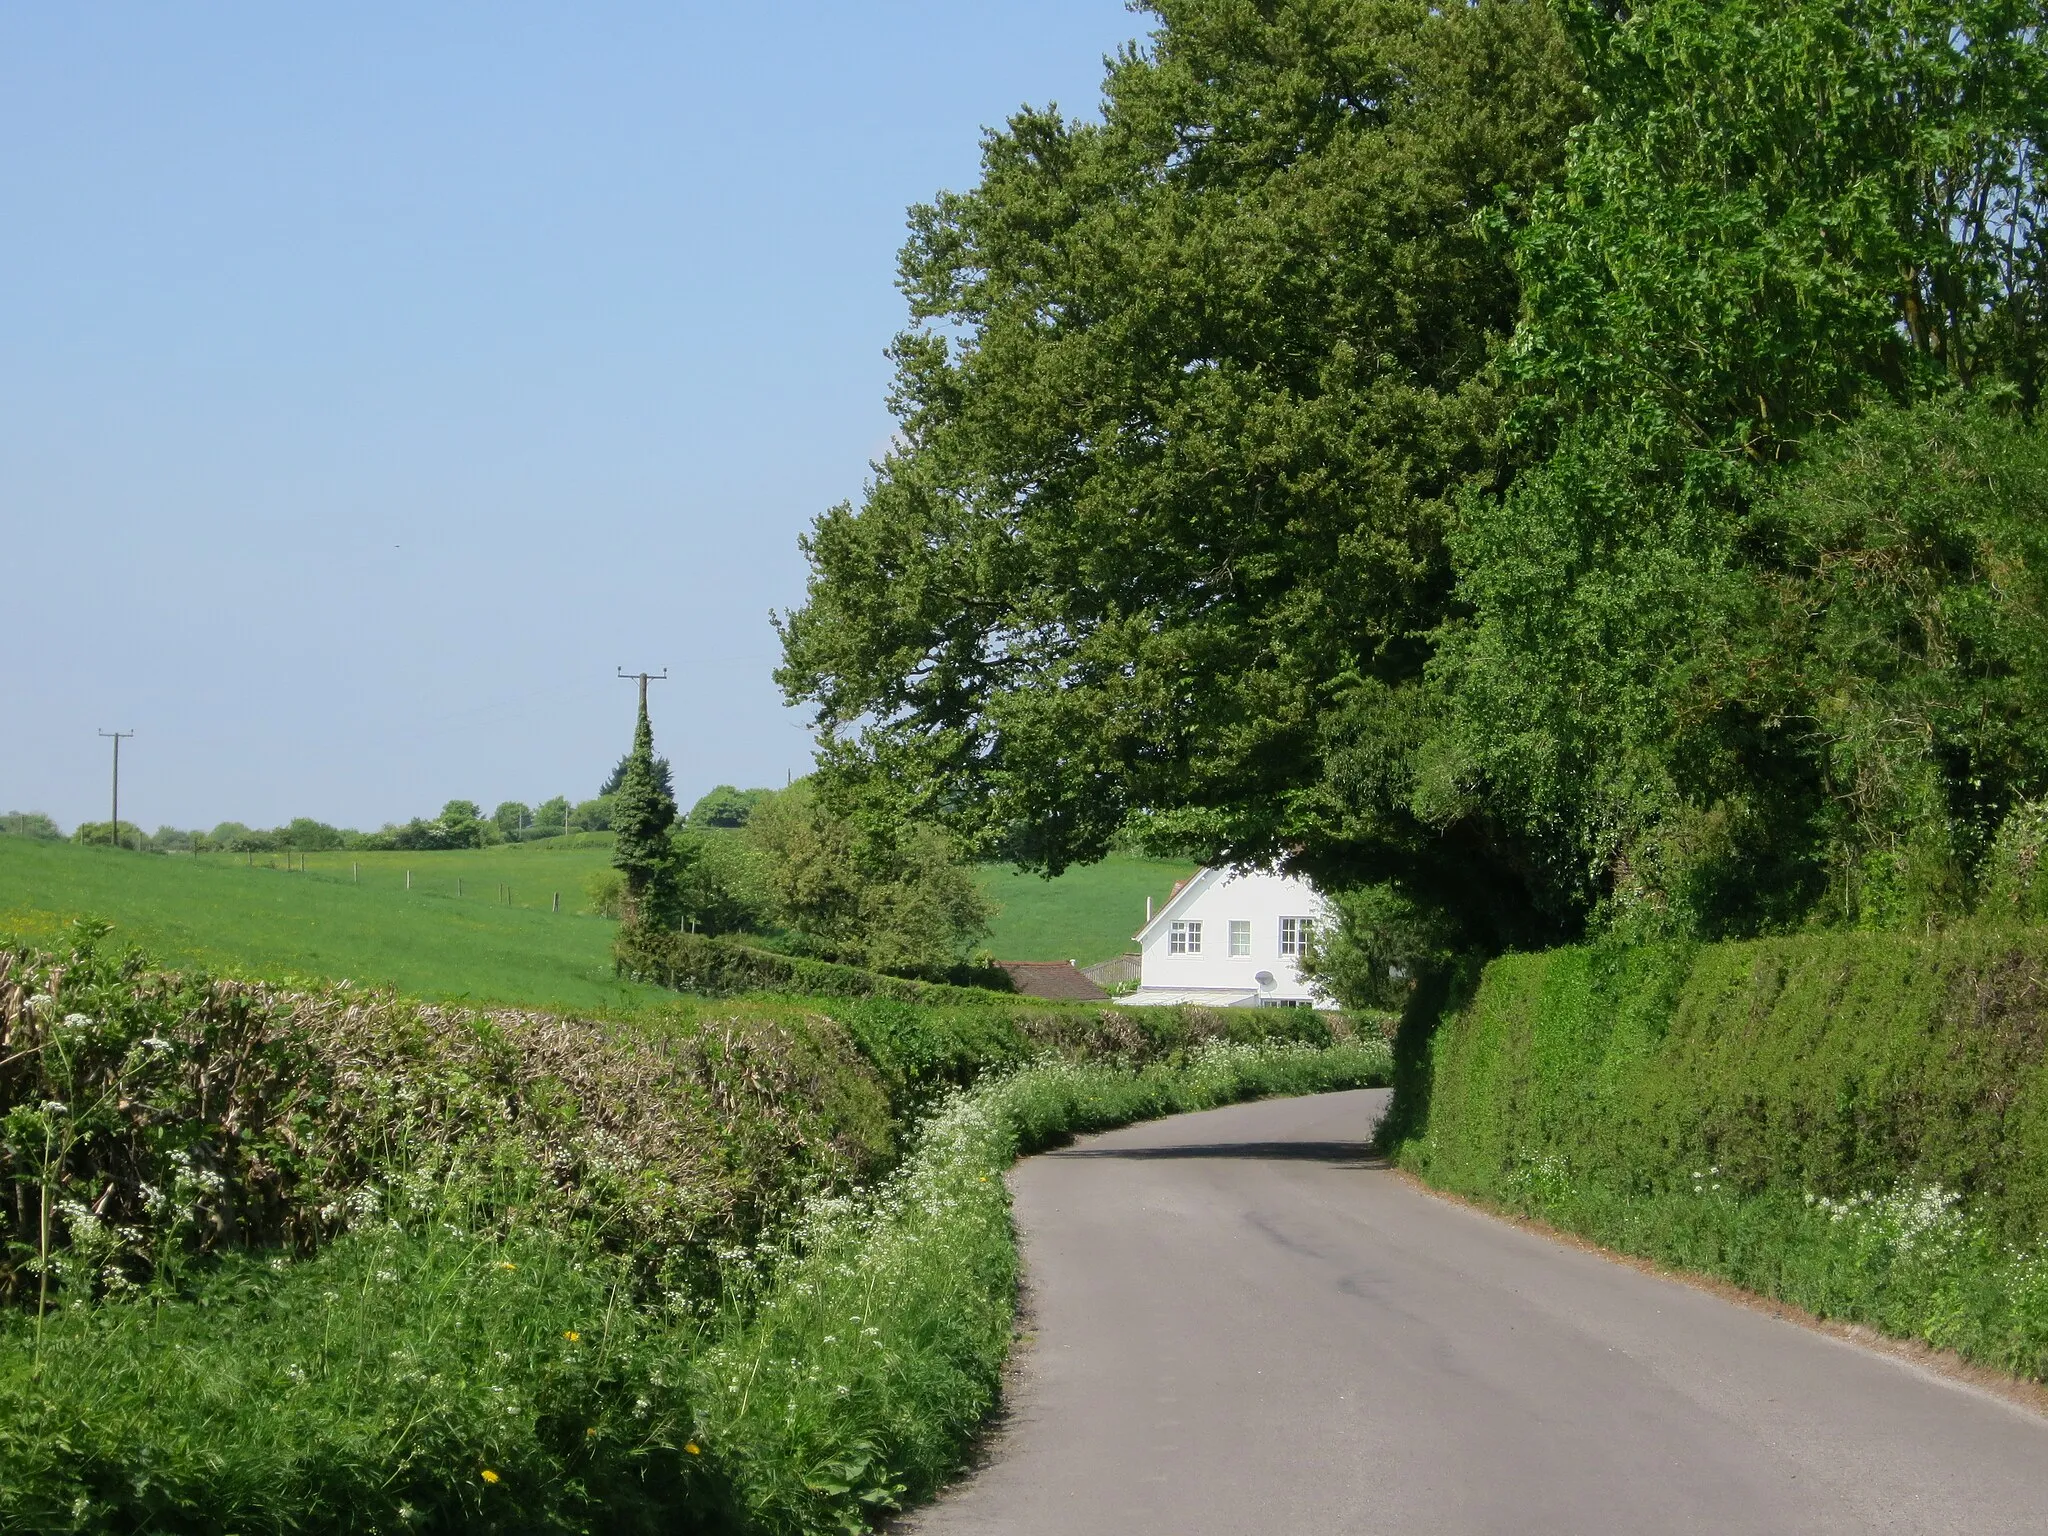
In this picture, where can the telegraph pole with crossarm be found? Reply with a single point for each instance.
(643, 679)
(117, 737)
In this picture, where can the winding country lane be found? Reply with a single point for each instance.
(1243, 1327)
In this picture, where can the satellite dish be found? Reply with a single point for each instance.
(1264, 979)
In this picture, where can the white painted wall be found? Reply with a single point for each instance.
(1216, 898)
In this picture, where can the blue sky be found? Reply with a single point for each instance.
(374, 380)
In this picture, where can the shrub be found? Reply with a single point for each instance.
(150, 1120)
(605, 889)
(719, 967)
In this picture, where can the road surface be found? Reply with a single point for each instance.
(1242, 1326)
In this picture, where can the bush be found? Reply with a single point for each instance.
(719, 967)
(167, 1121)
(605, 889)
(1855, 1122)
(30, 824)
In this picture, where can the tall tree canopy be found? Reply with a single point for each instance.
(1186, 401)
(1480, 454)
(1784, 212)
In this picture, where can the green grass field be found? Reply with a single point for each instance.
(1087, 914)
(477, 925)
(218, 911)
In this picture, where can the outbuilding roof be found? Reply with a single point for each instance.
(1054, 980)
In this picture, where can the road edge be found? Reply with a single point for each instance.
(1945, 1366)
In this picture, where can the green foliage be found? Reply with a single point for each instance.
(551, 817)
(106, 835)
(2015, 885)
(149, 1121)
(1856, 1122)
(880, 894)
(30, 824)
(721, 883)
(367, 1390)
(592, 815)
(1185, 404)
(725, 806)
(605, 892)
(725, 967)
(1780, 216)
(1381, 942)
(643, 813)
(1706, 606)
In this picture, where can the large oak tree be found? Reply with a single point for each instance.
(1187, 399)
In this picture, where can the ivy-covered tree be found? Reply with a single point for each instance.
(642, 813)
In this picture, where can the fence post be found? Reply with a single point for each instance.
(408, 879)
(558, 901)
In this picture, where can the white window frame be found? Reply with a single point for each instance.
(1240, 938)
(1184, 936)
(1295, 933)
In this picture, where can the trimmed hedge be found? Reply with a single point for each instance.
(712, 967)
(1856, 1122)
(917, 1049)
(1827, 1064)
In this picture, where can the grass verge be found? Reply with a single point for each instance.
(869, 1346)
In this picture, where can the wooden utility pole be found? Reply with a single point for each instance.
(117, 737)
(643, 679)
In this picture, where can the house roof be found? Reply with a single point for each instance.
(1182, 894)
(1056, 980)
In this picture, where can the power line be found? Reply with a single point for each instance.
(117, 737)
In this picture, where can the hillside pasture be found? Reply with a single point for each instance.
(477, 925)
(221, 912)
(1086, 915)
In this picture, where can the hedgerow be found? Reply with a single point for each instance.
(333, 1261)
(1857, 1123)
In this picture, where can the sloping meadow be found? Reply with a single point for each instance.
(1855, 1123)
(324, 1260)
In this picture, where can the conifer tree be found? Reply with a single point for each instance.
(643, 812)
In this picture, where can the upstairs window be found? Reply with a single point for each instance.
(1240, 939)
(1184, 939)
(1294, 935)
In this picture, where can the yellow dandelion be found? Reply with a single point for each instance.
(508, 1265)
(692, 1449)
(572, 1335)
(590, 1432)
(490, 1476)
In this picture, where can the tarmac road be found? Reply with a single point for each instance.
(1242, 1325)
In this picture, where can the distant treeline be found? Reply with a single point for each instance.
(460, 824)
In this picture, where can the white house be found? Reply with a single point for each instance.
(1229, 939)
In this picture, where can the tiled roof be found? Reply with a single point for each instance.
(1056, 980)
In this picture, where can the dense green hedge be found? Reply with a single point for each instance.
(1812, 1116)
(918, 1048)
(717, 967)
